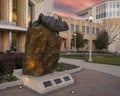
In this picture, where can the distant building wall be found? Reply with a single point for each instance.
(83, 27)
(109, 11)
(43, 6)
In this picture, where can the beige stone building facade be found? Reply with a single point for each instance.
(12, 26)
(14, 18)
(106, 13)
(78, 25)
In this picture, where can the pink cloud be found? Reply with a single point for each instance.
(64, 14)
(73, 6)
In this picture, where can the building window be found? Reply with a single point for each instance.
(77, 28)
(102, 15)
(99, 16)
(64, 44)
(107, 15)
(72, 27)
(114, 14)
(96, 16)
(110, 14)
(30, 12)
(114, 5)
(97, 30)
(83, 29)
(107, 7)
(107, 10)
(15, 10)
(118, 4)
(87, 29)
(118, 13)
(13, 46)
(110, 5)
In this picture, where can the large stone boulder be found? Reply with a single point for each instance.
(43, 45)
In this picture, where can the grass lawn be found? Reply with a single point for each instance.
(98, 58)
(107, 59)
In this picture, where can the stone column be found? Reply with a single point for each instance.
(10, 10)
(85, 27)
(5, 41)
(21, 13)
(27, 13)
(5, 10)
(21, 42)
(10, 39)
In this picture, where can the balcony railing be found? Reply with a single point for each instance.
(2, 22)
(11, 25)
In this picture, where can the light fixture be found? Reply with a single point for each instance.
(20, 87)
(74, 34)
(73, 92)
(90, 18)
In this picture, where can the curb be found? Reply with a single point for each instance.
(10, 84)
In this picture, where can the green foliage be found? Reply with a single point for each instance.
(9, 61)
(12, 48)
(79, 40)
(7, 78)
(63, 67)
(102, 40)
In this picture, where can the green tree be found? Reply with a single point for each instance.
(102, 40)
(79, 40)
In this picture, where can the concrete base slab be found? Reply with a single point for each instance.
(45, 83)
(10, 84)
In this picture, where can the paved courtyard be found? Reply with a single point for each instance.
(87, 83)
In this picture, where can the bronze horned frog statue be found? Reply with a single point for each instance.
(43, 44)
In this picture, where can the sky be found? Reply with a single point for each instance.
(70, 7)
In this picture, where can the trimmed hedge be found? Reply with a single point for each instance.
(10, 61)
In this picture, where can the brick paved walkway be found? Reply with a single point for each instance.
(87, 83)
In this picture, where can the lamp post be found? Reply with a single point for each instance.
(90, 45)
(75, 41)
(75, 33)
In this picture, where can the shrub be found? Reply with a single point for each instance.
(9, 61)
(7, 78)
(18, 60)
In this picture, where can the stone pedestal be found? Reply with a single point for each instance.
(45, 83)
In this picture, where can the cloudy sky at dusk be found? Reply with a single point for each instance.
(67, 7)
